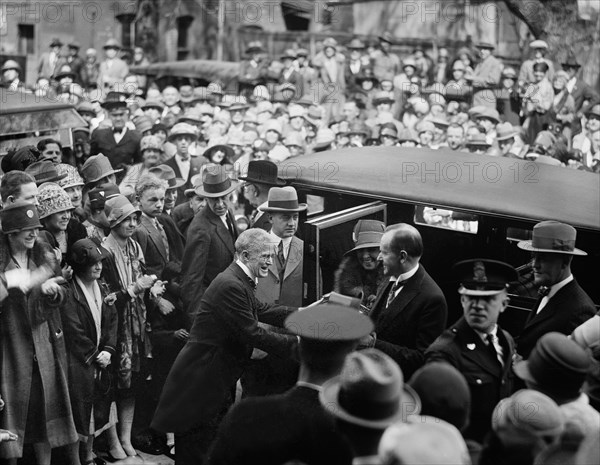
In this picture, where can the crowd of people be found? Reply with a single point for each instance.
(151, 275)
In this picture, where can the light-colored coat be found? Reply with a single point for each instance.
(485, 79)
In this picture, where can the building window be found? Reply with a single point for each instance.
(26, 39)
(183, 26)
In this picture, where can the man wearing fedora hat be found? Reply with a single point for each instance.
(584, 95)
(49, 60)
(120, 143)
(184, 213)
(357, 61)
(260, 178)
(294, 425)
(211, 237)
(386, 64)
(485, 76)
(201, 385)
(112, 70)
(562, 304)
(476, 345)
(185, 166)
(366, 398)
(253, 70)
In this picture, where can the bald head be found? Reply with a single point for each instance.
(405, 237)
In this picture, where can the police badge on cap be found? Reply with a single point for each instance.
(482, 277)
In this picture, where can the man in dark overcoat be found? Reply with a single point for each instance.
(201, 385)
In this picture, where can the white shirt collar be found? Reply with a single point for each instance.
(404, 276)
(558, 286)
(315, 387)
(287, 241)
(493, 332)
(571, 84)
(246, 270)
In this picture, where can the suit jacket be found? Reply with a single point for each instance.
(566, 310)
(582, 92)
(488, 381)
(296, 79)
(121, 155)
(293, 426)
(175, 238)
(486, 77)
(196, 164)
(108, 77)
(209, 250)
(414, 319)
(45, 69)
(203, 378)
(286, 291)
(183, 215)
(262, 221)
(153, 248)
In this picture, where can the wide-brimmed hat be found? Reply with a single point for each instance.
(100, 194)
(383, 97)
(273, 125)
(552, 237)
(52, 199)
(388, 131)
(85, 252)
(255, 47)
(477, 140)
(117, 209)
(505, 131)
(489, 113)
(410, 61)
(262, 172)
(215, 182)
(514, 413)
(425, 126)
(11, 64)
(64, 71)
(595, 110)
(542, 44)
(557, 366)
(294, 139)
(56, 42)
(370, 392)
(183, 129)
(72, 178)
(483, 44)
(288, 54)
(367, 240)
(349, 324)
(386, 37)
(114, 99)
(166, 173)
(157, 104)
(360, 128)
(482, 277)
(97, 167)
(142, 123)
(571, 61)
(86, 107)
(406, 135)
(19, 216)
(324, 138)
(44, 171)
(151, 142)
(112, 43)
(282, 199)
(356, 44)
(330, 42)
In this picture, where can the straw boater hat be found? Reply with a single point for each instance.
(262, 172)
(72, 177)
(97, 167)
(282, 199)
(117, 209)
(215, 182)
(183, 129)
(370, 392)
(166, 173)
(552, 237)
(52, 199)
(19, 216)
(44, 171)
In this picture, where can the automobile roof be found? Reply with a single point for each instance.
(209, 70)
(497, 186)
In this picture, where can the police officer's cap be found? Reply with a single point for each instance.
(329, 322)
(481, 277)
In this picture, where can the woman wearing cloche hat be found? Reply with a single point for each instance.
(31, 342)
(124, 271)
(60, 230)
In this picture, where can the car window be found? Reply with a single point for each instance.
(447, 219)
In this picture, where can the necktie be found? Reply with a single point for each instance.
(231, 228)
(163, 236)
(491, 339)
(280, 255)
(397, 285)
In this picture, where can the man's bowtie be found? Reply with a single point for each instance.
(117, 131)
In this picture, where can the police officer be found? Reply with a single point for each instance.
(475, 344)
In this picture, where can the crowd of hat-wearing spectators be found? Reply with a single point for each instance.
(347, 95)
(94, 239)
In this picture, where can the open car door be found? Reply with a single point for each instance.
(326, 239)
